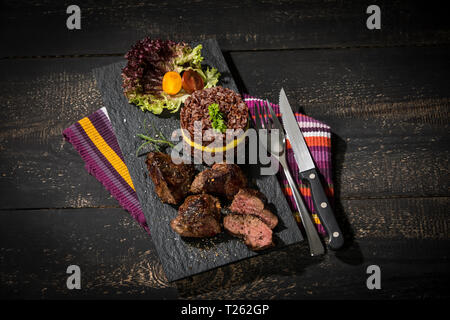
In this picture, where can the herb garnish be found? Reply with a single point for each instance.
(216, 118)
(158, 142)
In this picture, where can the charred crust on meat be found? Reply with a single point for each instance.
(198, 217)
(172, 181)
(222, 179)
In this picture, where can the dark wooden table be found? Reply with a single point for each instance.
(385, 94)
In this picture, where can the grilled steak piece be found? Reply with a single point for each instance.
(198, 216)
(172, 181)
(222, 179)
(257, 235)
(249, 201)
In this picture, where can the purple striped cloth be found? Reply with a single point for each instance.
(94, 139)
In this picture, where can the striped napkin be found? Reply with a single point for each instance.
(94, 139)
(318, 138)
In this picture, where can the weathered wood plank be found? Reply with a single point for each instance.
(395, 218)
(407, 238)
(293, 274)
(115, 254)
(388, 108)
(38, 168)
(40, 28)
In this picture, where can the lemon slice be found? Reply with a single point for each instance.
(228, 146)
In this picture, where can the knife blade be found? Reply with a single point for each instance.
(309, 172)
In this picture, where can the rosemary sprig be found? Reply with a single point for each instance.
(157, 142)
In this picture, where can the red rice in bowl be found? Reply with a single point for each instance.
(230, 103)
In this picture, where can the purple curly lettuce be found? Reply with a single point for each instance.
(148, 61)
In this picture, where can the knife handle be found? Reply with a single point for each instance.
(323, 208)
(315, 244)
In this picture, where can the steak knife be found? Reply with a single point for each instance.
(309, 172)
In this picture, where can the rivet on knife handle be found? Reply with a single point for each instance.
(322, 205)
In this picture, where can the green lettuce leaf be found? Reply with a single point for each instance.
(212, 77)
(190, 58)
(148, 102)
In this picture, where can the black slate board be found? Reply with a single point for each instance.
(183, 257)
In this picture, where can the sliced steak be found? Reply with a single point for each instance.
(172, 181)
(257, 235)
(198, 216)
(222, 179)
(249, 201)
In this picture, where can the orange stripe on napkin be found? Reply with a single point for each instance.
(106, 150)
